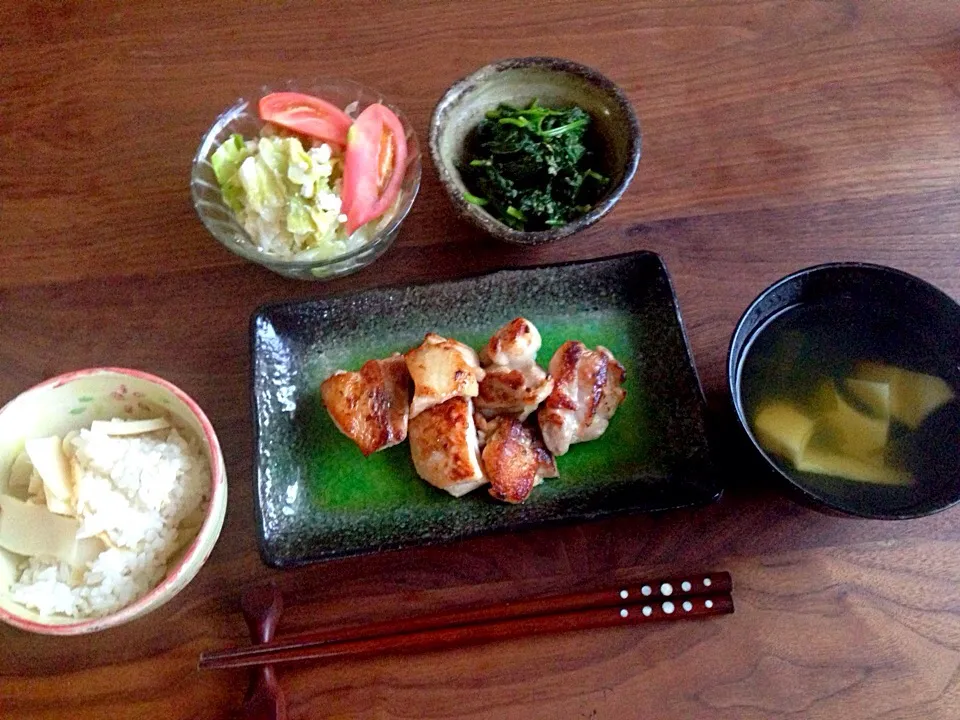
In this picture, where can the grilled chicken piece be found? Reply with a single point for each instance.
(515, 345)
(445, 449)
(515, 459)
(506, 391)
(514, 384)
(587, 392)
(370, 406)
(442, 369)
(485, 427)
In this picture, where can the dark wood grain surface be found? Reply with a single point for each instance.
(777, 134)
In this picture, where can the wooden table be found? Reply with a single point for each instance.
(777, 135)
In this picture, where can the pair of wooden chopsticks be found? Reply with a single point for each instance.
(692, 596)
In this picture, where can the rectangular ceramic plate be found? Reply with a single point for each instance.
(319, 498)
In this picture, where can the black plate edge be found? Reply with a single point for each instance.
(447, 542)
(263, 308)
(265, 556)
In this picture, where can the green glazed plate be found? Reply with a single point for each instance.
(319, 498)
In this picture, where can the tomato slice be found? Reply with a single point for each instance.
(306, 115)
(373, 167)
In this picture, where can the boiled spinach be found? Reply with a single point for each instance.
(531, 167)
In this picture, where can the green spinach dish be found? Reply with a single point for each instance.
(532, 168)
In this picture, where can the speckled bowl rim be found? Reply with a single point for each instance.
(199, 550)
(249, 250)
(485, 220)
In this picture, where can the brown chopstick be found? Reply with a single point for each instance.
(670, 598)
(457, 636)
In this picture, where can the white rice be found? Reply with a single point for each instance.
(145, 496)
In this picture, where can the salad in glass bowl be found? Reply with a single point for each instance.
(311, 183)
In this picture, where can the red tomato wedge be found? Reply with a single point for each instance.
(373, 167)
(306, 115)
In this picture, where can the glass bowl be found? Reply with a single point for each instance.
(242, 118)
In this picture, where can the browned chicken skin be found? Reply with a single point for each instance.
(505, 391)
(468, 424)
(514, 345)
(515, 459)
(444, 447)
(371, 406)
(514, 384)
(587, 392)
(442, 369)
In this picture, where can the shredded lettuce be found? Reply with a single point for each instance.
(226, 161)
(286, 197)
(274, 153)
(299, 221)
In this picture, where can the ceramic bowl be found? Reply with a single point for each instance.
(552, 82)
(242, 118)
(885, 301)
(72, 401)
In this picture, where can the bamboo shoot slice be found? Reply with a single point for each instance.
(57, 505)
(85, 551)
(18, 481)
(35, 487)
(823, 461)
(783, 429)
(875, 396)
(67, 444)
(32, 530)
(913, 395)
(847, 430)
(853, 433)
(919, 395)
(81, 490)
(825, 399)
(878, 372)
(104, 537)
(47, 457)
(129, 427)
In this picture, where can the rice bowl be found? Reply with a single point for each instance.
(157, 499)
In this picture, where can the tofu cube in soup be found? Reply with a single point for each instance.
(445, 448)
(371, 406)
(442, 369)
